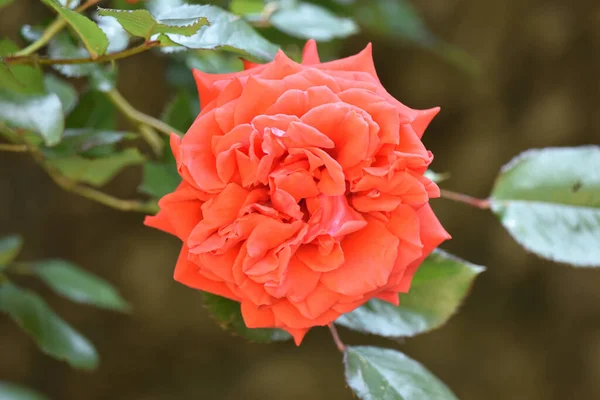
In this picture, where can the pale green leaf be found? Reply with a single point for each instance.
(375, 373)
(437, 177)
(118, 38)
(64, 90)
(226, 31)
(243, 7)
(91, 35)
(142, 23)
(10, 247)
(549, 201)
(97, 171)
(438, 288)
(78, 285)
(52, 334)
(310, 21)
(227, 314)
(40, 113)
(76, 141)
(11, 391)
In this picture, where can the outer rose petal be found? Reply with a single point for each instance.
(310, 55)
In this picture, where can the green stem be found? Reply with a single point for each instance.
(138, 117)
(56, 26)
(19, 59)
(483, 204)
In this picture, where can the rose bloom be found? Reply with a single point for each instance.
(303, 193)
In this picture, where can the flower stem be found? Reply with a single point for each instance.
(483, 204)
(336, 338)
(138, 117)
(36, 60)
(56, 26)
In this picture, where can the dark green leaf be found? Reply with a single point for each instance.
(64, 90)
(93, 111)
(142, 23)
(39, 113)
(226, 31)
(104, 79)
(227, 314)
(11, 391)
(438, 288)
(79, 286)
(97, 171)
(180, 112)
(19, 78)
(10, 247)
(159, 178)
(375, 373)
(91, 35)
(310, 21)
(549, 201)
(52, 334)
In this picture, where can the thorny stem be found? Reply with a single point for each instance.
(52, 29)
(336, 338)
(483, 204)
(36, 60)
(15, 148)
(138, 117)
(90, 193)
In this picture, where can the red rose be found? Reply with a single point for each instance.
(303, 193)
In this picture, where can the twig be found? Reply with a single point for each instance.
(56, 26)
(90, 193)
(28, 59)
(15, 148)
(138, 117)
(483, 204)
(336, 338)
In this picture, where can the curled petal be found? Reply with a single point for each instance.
(310, 54)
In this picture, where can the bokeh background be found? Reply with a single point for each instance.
(529, 330)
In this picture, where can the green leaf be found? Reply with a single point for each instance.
(227, 314)
(64, 90)
(11, 391)
(93, 111)
(19, 78)
(375, 373)
(180, 112)
(10, 247)
(104, 79)
(142, 23)
(159, 179)
(118, 38)
(243, 7)
(79, 286)
(398, 19)
(437, 290)
(97, 171)
(91, 35)
(62, 46)
(53, 335)
(310, 21)
(226, 31)
(39, 113)
(76, 141)
(549, 201)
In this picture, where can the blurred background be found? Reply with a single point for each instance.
(529, 330)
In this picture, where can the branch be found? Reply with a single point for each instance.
(483, 204)
(336, 338)
(138, 117)
(56, 26)
(37, 60)
(15, 148)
